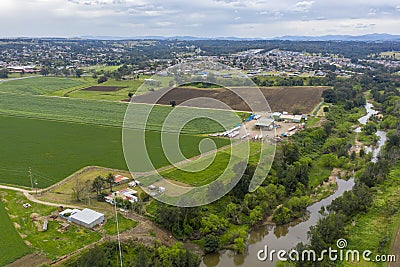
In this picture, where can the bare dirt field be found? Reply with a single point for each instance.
(104, 88)
(279, 98)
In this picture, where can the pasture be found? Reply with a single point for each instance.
(11, 244)
(38, 85)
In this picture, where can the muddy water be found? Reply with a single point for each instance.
(381, 134)
(370, 111)
(276, 237)
(287, 236)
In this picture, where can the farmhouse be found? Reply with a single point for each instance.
(87, 218)
(119, 179)
(127, 194)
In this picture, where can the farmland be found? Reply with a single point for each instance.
(54, 150)
(52, 243)
(11, 244)
(38, 85)
(103, 88)
(279, 98)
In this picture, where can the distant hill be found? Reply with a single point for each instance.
(363, 38)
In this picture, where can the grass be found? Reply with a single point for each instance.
(51, 242)
(124, 224)
(38, 85)
(55, 150)
(318, 173)
(11, 244)
(375, 229)
(131, 86)
(63, 193)
(108, 113)
(312, 121)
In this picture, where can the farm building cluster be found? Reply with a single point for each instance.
(256, 126)
(128, 193)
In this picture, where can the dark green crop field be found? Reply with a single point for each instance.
(55, 149)
(12, 246)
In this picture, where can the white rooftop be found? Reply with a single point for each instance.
(87, 216)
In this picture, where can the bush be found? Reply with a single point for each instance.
(281, 215)
(239, 245)
(211, 243)
(102, 79)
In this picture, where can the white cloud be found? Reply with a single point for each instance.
(247, 18)
(303, 6)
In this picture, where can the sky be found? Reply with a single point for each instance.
(200, 18)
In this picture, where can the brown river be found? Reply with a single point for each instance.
(287, 236)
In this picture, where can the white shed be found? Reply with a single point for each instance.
(87, 218)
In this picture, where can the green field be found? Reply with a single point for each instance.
(124, 224)
(131, 86)
(52, 243)
(56, 136)
(375, 229)
(105, 113)
(11, 244)
(38, 85)
(55, 150)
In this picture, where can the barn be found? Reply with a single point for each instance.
(87, 218)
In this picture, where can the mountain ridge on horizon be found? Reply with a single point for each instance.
(372, 37)
(339, 37)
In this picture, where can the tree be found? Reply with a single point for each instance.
(94, 257)
(297, 109)
(78, 189)
(4, 73)
(256, 215)
(44, 71)
(281, 215)
(78, 73)
(172, 103)
(370, 128)
(239, 245)
(141, 258)
(110, 179)
(329, 160)
(130, 95)
(232, 211)
(102, 79)
(211, 243)
(329, 96)
(213, 224)
(98, 184)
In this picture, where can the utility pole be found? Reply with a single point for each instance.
(36, 185)
(119, 241)
(30, 176)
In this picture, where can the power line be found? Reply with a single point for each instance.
(119, 241)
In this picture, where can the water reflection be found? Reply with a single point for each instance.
(280, 237)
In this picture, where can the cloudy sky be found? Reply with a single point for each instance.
(202, 18)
